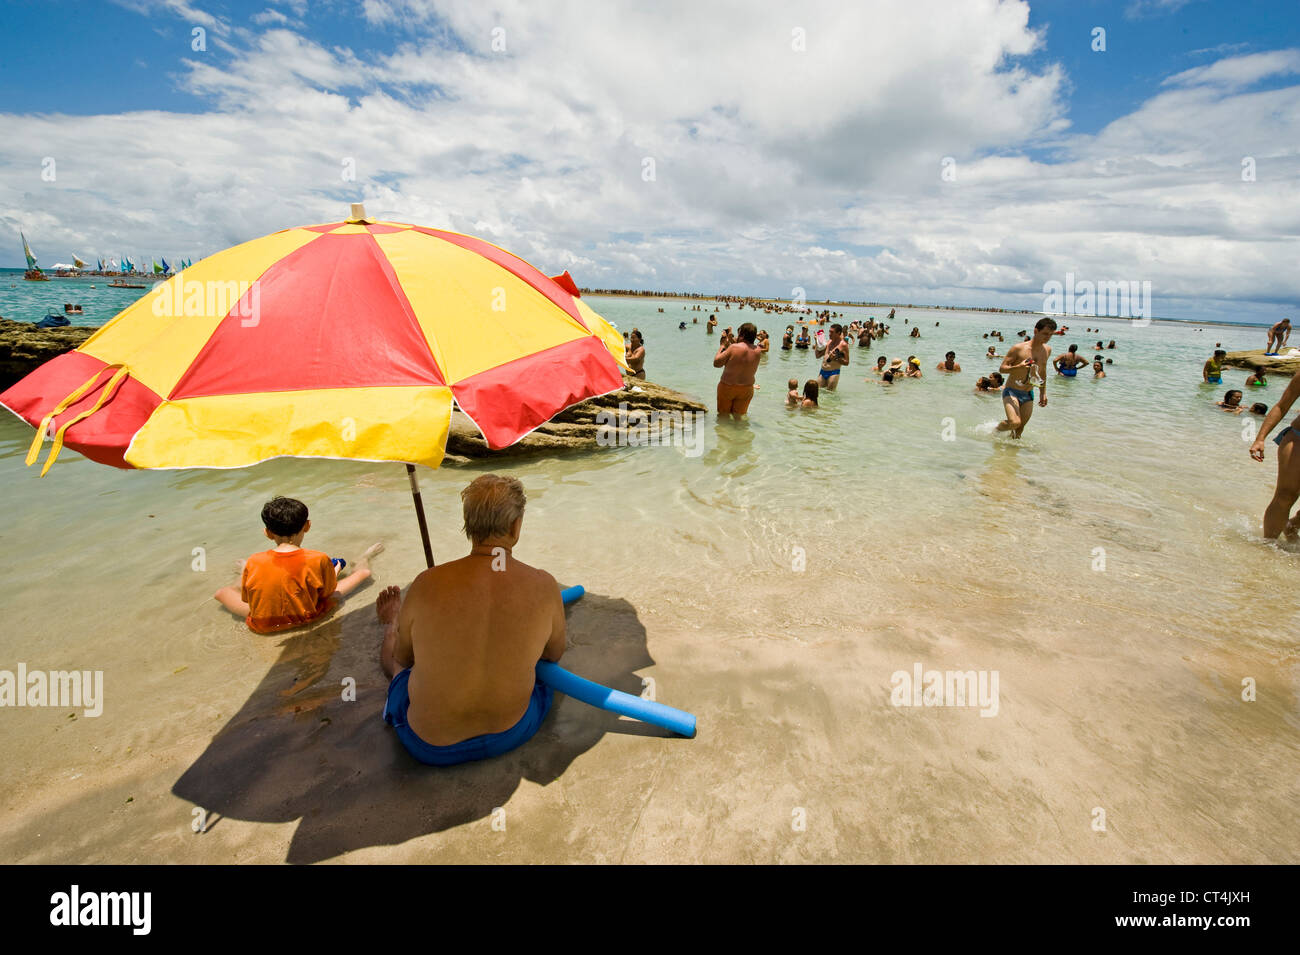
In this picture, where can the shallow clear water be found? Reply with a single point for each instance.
(1110, 557)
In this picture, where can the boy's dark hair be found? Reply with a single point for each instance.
(284, 516)
(747, 332)
(1045, 323)
(1220, 351)
(1259, 408)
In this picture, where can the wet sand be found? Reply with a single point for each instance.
(796, 727)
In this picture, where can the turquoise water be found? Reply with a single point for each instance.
(23, 301)
(1110, 555)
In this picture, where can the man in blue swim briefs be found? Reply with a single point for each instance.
(1025, 362)
(834, 357)
(462, 647)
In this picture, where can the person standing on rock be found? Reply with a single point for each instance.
(636, 355)
(1277, 337)
(739, 362)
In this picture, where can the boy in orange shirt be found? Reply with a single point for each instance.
(288, 586)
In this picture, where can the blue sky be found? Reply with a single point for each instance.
(775, 167)
(1147, 42)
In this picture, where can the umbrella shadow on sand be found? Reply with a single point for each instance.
(297, 750)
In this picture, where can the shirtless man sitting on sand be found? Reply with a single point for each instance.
(1025, 362)
(462, 647)
(834, 357)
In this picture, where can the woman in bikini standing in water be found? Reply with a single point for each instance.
(1277, 517)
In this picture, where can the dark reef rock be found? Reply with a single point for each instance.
(23, 346)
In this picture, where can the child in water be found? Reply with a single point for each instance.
(792, 396)
(810, 394)
(287, 585)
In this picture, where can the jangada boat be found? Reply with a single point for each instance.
(33, 273)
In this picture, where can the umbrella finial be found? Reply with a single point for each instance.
(358, 212)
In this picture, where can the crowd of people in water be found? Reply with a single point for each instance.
(1022, 369)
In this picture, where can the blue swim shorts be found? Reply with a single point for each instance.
(474, 748)
(1020, 395)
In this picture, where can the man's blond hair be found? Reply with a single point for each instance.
(492, 503)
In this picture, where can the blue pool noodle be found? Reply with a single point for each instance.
(616, 701)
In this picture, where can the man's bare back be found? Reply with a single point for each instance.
(738, 362)
(472, 636)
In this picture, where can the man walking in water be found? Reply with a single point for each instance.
(834, 356)
(1025, 362)
(738, 362)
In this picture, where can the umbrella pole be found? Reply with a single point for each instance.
(419, 515)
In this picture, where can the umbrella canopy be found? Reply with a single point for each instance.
(344, 340)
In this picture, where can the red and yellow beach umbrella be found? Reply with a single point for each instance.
(346, 340)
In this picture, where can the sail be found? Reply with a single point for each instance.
(77, 263)
(166, 268)
(126, 265)
(99, 265)
(27, 251)
(157, 269)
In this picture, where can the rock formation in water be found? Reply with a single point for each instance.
(576, 427)
(23, 346)
(1256, 361)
